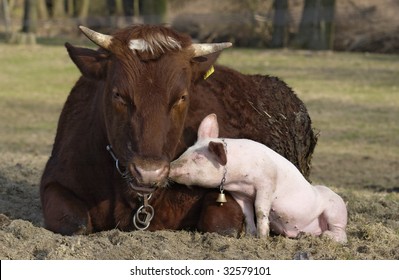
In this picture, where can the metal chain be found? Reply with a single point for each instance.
(123, 174)
(221, 187)
(145, 213)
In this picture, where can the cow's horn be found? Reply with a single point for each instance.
(204, 49)
(99, 39)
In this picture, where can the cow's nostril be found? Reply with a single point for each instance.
(150, 173)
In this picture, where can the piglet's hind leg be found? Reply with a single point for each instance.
(335, 215)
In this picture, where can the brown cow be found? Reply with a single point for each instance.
(137, 107)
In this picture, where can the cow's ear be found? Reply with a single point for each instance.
(209, 127)
(92, 64)
(217, 148)
(202, 64)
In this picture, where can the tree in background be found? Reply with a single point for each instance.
(5, 8)
(81, 9)
(29, 25)
(58, 9)
(316, 30)
(153, 11)
(42, 11)
(280, 24)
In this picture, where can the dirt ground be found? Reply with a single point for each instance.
(23, 237)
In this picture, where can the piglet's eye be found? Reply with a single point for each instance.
(198, 158)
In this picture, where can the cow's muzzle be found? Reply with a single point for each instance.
(149, 172)
(143, 175)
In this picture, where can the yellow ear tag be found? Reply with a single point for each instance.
(209, 72)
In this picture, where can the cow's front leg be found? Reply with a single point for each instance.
(247, 208)
(226, 219)
(63, 212)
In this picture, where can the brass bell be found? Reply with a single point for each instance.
(221, 199)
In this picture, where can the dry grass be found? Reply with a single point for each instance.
(353, 100)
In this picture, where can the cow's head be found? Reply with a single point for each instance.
(146, 73)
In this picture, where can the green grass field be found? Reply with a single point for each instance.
(352, 98)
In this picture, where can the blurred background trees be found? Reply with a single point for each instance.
(316, 30)
(369, 25)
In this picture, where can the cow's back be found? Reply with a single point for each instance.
(261, 108)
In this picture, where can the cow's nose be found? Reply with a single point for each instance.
(150, 172)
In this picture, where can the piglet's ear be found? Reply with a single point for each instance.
(218, 150)
(209, 127)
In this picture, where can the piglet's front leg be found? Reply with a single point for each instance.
(262, 209)
(262, 220)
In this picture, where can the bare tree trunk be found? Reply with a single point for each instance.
(82, 10)
(316, 30)
(119, 7)
(70, 8)
(58, 9)
(328, 19)
(305, 32)
(280, 24)
(29, 25)
(115, 12)
(136, 8)
(42, 10)
(7, 18)
(153, 11)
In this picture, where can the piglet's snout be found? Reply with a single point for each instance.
(172, 171)
(176, 171)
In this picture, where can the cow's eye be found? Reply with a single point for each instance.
(118, 97)
(182, 99)
(179, 103)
